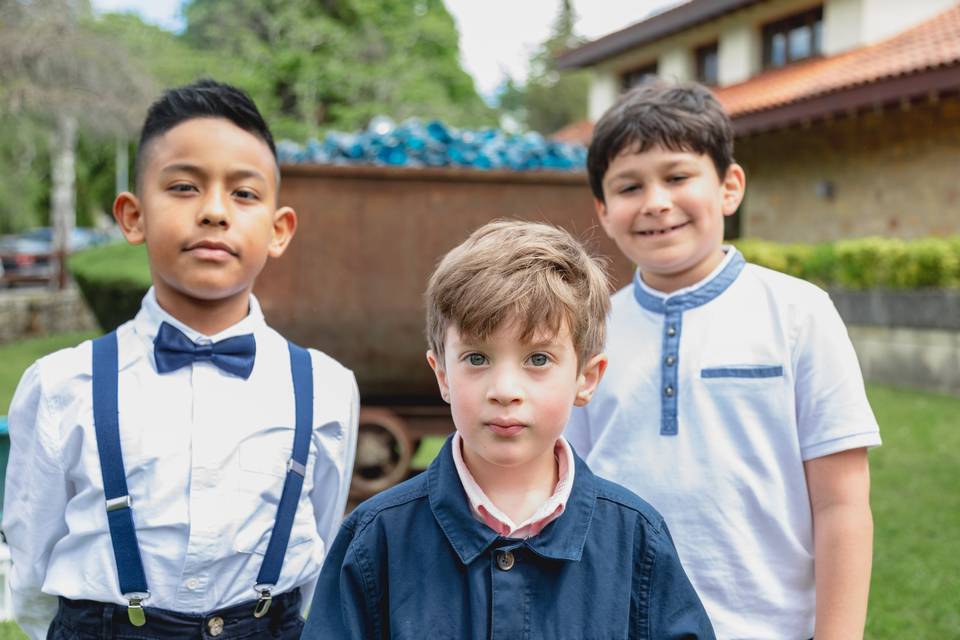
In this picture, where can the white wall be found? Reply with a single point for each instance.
(677, 64)
(842, 25)
(884, 18)
(739, 53)
(604, 89)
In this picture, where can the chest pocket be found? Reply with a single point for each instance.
(743, 372)
(266, 452)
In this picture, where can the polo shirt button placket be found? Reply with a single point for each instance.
(672, 311)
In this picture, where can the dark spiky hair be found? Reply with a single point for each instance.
(202, 99)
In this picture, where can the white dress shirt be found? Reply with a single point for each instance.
(205, 455)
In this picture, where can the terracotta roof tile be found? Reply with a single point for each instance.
(930, 45)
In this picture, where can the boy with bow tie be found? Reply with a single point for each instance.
(184, 475)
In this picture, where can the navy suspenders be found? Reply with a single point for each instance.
(133, 581)
(126, 551)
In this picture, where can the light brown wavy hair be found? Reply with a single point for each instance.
(534, 274)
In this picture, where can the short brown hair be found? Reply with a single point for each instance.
(675, 116)
(534, 274)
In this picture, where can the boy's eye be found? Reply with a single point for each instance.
(182, 187)
(245, 194)
(627, 188)
(677, 178)
(539, 359)
(477, 359)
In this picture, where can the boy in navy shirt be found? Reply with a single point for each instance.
(183, 476)
(733, 400)
(508, 534)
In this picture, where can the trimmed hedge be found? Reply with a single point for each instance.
(864, 263)
(113, 279)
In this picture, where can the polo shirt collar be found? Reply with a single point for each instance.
(695, 295)
(562, 539)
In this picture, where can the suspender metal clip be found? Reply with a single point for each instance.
(264, 600)
(135, 611)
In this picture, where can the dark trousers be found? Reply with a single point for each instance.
(88, 620)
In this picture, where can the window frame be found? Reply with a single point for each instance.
(641, 72)
(810, 19)
(699, 56)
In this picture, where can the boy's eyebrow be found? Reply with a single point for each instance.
(630, 173)
(186, 167)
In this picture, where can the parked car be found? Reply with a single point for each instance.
(28, 257)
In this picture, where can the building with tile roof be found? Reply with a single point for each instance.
(847, 112)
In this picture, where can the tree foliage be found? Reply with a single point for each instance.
(337, 63)
(57, 75)
(311, 65)
(550, 100)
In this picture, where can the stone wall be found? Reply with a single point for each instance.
(30, 313)
(905, 338)
(886, 172)
(919, 358)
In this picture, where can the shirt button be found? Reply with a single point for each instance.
(671, 331)
(670, 360)
(215, 625)
(505, 560)
(193, 583)
(668, 391)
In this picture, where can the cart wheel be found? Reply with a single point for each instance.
(384, 451)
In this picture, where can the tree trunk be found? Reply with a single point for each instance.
(63, 214)
(122, 175)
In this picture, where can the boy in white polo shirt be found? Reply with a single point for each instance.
(183, 476)
(733, 401)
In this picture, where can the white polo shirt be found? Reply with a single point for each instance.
(714, 397)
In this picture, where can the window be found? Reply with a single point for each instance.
(707, 64)
(639, 75)
(795, 38)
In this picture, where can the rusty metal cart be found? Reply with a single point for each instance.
(352, 282)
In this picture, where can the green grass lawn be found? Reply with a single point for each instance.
(18, 356)
(915, 498)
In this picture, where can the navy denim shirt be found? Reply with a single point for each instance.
(413, 562)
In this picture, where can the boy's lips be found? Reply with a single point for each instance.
(505, 426)
(661, 231)
(211, 250)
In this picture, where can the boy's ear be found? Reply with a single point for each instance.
(589, 378)
(441, 375)
(284, 227)
(733, 187)
(129, 215)
(601, 208)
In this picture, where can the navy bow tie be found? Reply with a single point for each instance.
(172, 350)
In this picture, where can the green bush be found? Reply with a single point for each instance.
(113, 279)
(864, 263)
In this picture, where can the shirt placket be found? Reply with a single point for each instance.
(669, 365)
(205, 490)
(508, 598)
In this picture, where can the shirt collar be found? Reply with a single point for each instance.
(486, 511)
(562, 539)
(695, 295)
(147, 322)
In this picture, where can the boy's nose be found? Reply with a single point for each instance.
(505, 387)
(214, 211)
(657, 200)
